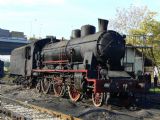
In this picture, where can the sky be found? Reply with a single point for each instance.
(59, 17)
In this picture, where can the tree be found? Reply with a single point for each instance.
(150, 28)
(130, 18)
(33, 38)
(141, 25)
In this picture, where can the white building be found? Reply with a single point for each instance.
(136, 62)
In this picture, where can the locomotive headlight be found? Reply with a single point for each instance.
(107, 85)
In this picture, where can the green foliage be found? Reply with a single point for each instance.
(142, 28)
(33, 38)
(6, 64)
(150, 29)
(148, 26)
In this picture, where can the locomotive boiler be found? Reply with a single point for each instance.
(101, 46)
(86, 66)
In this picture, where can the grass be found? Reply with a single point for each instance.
(155, 90)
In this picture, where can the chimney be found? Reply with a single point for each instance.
(102, 24)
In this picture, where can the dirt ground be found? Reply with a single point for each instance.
(81, 109)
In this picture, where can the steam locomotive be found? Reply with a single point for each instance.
(89, 64)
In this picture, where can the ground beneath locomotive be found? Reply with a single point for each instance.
(84, 109)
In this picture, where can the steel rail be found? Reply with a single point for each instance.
(42, 109)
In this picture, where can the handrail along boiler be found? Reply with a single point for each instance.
(89, 64)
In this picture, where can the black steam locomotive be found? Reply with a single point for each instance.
(89, 64)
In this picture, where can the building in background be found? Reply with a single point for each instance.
(4, 33)
(7, 33)
(136, 62)
(11, 40)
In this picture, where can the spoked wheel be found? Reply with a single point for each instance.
(98, 99)
(74, 94)
(58, 87)
(45, 84)
(38, 86)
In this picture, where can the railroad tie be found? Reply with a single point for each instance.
(20, 112)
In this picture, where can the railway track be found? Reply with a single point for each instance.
(18, 110)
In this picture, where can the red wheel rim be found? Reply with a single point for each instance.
(97, 99)
(58, 89)
(74, 94)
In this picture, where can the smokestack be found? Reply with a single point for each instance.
(102, 24)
